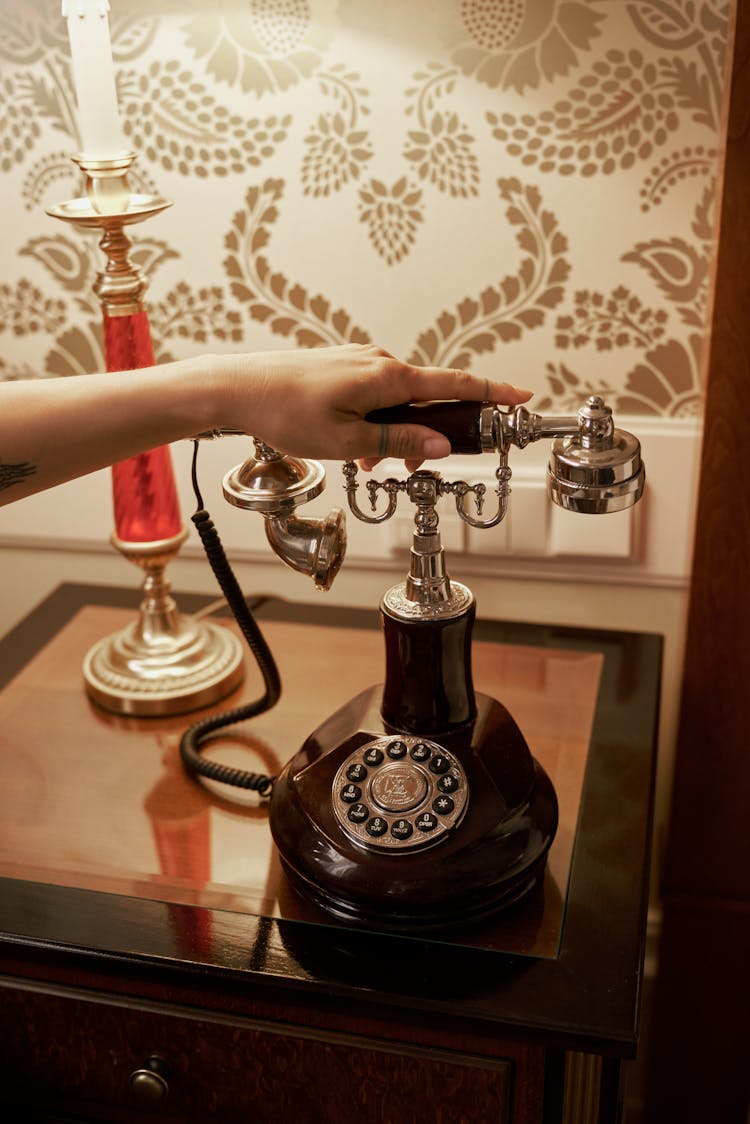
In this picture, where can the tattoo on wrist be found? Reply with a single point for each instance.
(11, 474)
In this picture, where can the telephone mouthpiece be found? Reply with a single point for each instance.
(275, 485)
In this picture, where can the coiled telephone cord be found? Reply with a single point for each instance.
(195, 738)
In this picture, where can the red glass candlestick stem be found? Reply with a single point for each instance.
(143, 488)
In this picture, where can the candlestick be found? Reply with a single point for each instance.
(162, 663)
(94, 78)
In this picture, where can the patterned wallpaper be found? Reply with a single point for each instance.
(523, 187)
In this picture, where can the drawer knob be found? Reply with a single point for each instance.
(149, 1084)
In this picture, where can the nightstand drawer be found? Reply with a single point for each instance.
(91, 1058)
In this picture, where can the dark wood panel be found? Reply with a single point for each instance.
(709, 840)
(700, 1046)
(78, 1056)
(700, 1064)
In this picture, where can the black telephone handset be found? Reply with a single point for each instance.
(418, 804)
(460, 422)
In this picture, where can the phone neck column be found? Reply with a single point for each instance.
(427, 624)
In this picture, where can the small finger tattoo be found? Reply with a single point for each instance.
(383, 447)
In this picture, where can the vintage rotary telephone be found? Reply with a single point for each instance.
(417, 805)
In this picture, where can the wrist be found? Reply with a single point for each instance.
(205, 395)
(241, 392)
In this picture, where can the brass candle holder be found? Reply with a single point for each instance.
(162, 663)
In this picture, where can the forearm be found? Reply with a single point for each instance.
(310, 402)
(53, 430)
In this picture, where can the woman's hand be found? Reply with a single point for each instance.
(313, 402)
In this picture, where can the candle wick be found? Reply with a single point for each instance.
(82, 8)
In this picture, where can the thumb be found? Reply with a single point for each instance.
(406, 442)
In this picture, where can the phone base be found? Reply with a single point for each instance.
(449, 870)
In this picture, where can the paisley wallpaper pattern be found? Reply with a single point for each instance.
(517, 186)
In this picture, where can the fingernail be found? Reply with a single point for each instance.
(435, 447)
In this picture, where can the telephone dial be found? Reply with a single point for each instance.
(418, 804)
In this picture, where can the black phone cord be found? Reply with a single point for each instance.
(195, 737)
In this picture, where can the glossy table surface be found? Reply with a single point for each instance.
(109, 851)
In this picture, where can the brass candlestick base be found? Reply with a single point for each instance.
(162, 663)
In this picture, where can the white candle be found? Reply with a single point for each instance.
(94, 78)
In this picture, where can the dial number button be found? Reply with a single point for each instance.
(427, 822)
(358, 813)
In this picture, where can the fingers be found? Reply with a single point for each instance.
(437, 383)
(424, 384)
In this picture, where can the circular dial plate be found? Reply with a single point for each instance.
(399, 793)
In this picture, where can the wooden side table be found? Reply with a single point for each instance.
(155, 962)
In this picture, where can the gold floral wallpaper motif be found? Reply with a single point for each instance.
(527, 186)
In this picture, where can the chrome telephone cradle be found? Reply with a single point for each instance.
(418, 805)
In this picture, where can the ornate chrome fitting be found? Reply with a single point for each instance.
(596, 424)
(428, 591)
(424, 488)
(391, 487)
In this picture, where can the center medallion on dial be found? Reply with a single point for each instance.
(397, 788)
